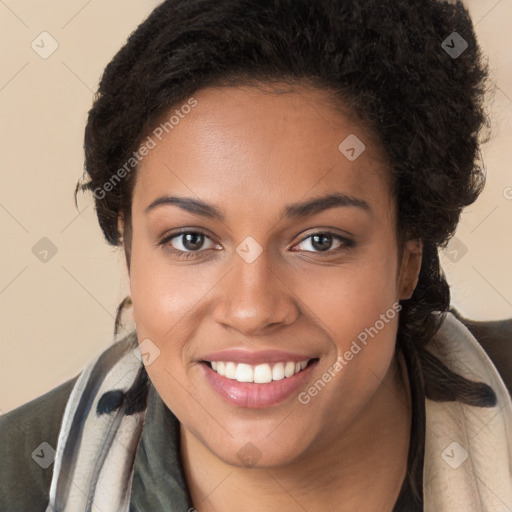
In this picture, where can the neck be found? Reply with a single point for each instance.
(363, 470)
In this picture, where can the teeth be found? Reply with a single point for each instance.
(289, 369)
(278, 371)
(230, 370)
(260, 374)
(244, 373)
(221, 368)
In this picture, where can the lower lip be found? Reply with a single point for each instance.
(252, 395)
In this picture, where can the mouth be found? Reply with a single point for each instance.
(260, 373)
(260, 385)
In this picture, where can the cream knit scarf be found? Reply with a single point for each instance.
(468, 450)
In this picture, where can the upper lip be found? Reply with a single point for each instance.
(242, 355)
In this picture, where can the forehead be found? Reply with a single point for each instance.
(262, 147)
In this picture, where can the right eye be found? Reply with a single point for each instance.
(185, 243)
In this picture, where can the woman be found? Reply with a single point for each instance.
(280, 175)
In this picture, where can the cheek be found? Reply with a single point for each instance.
(351, 298)
(358, 306)
(163, 294)
(163, 297)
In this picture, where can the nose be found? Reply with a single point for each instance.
(254, 298)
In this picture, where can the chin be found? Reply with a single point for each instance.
(260, 448)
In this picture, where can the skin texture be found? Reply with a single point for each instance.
(251, 153)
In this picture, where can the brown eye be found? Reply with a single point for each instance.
(322, 242)
(186, 244)
(192, 241)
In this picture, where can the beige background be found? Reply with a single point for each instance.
(56, 316)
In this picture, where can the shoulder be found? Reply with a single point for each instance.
(29, 435)
(26, 467)
(495, 337)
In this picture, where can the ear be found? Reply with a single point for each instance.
(126, 243)
(120, 224)
(410, 268)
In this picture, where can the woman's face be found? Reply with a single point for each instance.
(252, 269)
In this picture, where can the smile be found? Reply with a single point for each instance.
(249, 382)
(260, 374)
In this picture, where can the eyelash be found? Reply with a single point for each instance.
(165, 243)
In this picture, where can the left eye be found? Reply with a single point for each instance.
(322, 242)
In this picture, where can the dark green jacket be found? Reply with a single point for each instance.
(24, 484)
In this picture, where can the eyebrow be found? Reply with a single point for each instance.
(293, 211)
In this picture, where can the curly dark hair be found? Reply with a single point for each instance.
(383, 61)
